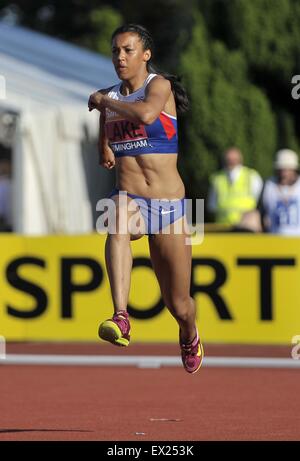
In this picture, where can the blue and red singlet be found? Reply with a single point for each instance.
(127, 138)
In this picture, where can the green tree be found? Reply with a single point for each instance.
(268, 34)
(103, 21)
(226, 109)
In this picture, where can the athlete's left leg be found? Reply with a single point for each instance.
(171, 259)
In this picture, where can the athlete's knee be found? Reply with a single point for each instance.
(182, 308)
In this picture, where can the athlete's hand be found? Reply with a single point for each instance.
(96, 101)
(107, 159)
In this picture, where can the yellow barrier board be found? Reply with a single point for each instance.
(246, 289)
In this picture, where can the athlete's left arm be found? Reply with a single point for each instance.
(157, 94)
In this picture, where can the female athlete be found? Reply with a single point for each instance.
(138, 136)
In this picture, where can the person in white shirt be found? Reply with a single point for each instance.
(280, 201)
(234, 191)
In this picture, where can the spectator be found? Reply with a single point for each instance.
(280, 201)
(234, 192)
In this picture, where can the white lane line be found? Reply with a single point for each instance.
(147, 361)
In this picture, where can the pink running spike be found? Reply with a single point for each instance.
(116, 330)
(192, 354)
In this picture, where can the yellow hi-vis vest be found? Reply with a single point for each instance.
(233, 199)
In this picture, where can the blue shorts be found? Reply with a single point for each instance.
(157, 213)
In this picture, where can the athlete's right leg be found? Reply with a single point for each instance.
(118, 259)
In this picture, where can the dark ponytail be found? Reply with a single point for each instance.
(180, 95)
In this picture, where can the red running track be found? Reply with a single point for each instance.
(100, 403)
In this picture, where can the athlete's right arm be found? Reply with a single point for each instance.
(106, 155)
(146, 111)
